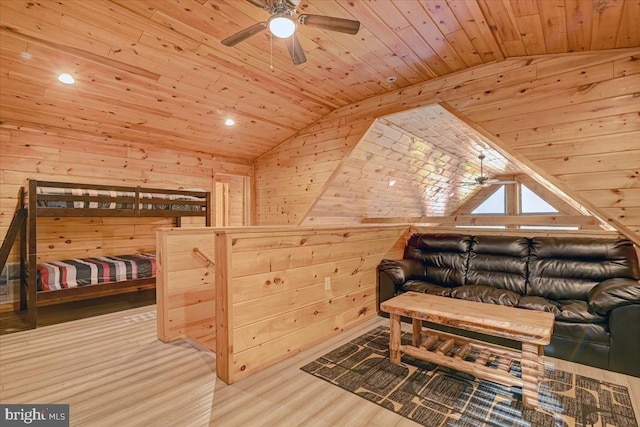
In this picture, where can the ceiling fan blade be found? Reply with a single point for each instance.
(295, 50)
(330, 23)
(259, 3)
(244, 34)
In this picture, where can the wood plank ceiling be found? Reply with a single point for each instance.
(154, 71)
(418, 163)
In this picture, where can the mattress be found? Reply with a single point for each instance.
(72, 273)
(114, 194)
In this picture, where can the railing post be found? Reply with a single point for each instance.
(224, 329)
(32, 291)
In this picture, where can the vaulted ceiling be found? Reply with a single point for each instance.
(155, 70)
(422, 162)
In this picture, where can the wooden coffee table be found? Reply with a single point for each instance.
(531, 328)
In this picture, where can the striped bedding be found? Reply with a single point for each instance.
(112, 205)
(72, 273)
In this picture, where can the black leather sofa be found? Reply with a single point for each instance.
(590, 285)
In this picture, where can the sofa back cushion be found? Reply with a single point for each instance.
(445, 256)
(499, 262)
(567, 268)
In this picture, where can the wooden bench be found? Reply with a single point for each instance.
(483, 360)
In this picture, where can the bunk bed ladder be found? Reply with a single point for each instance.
(14, 228)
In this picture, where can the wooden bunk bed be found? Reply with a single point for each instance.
(61, 199)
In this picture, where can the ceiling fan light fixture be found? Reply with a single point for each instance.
(282, 26)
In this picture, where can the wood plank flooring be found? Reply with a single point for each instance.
(15, 321)
(112, 370)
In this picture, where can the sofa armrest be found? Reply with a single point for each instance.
(624, 329)
(402, 270)
(393, 274)
(613, 293)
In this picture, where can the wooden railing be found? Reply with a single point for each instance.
(273, 290)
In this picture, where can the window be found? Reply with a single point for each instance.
(531, 203)
(501, 201)
(494, 204)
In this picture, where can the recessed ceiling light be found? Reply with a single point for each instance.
(229, 122)
(391, 79)
(392, 183)
(66, 79)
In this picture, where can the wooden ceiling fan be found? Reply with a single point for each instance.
(485, 181)
(283, 23)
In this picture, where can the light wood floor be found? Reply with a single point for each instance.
(16, 321)
(112, 370)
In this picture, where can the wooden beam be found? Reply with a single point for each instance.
(603, 234)
(551, 220)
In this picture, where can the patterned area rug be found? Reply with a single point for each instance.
(437, 396)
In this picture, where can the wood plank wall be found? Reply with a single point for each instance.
(572, 118)
(291, 177)
(279, 303)
(271, 300)
(73, 157)
(185, 285)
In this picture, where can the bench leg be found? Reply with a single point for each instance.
(416, 337)
(394, 339)
(532, 368)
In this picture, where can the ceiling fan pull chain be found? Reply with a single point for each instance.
(271, 51)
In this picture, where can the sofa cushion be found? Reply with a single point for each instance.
(568, 268)
(500, 262)
(540, 304)
(488, 294)
(426, 288)
(444, 256)
(577, 311)
(593, 332)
